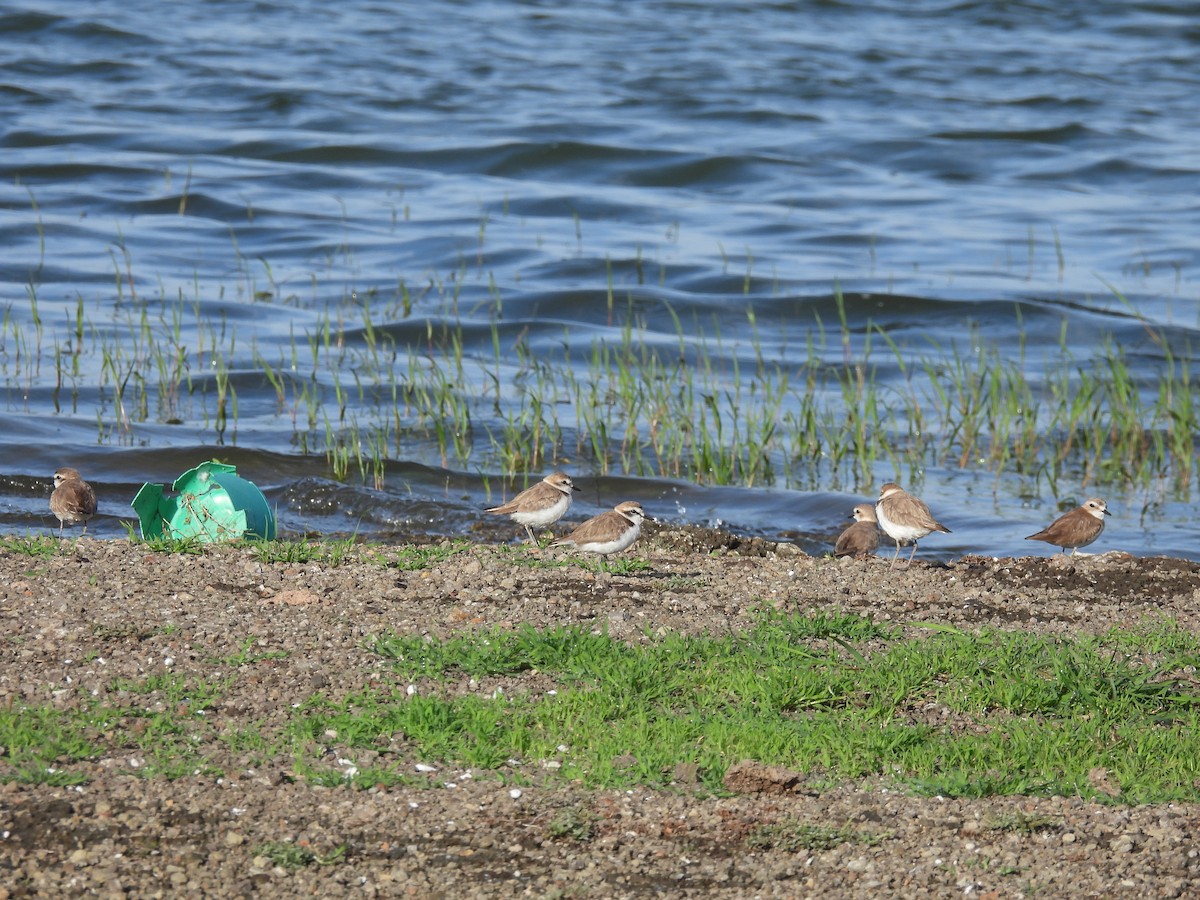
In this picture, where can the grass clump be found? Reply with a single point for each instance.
(420, 556)
(36, 546)
(186, 546)
(329, 552)
(573, 823)
(39, 742)
(294, 857)
(1024, 823)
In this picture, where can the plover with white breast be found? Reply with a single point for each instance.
(904, 518)
(73, 501)
(541, 505)
(609, 532)
(1077, 528)
(861, 538)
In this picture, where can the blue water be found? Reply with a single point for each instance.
(236, 179)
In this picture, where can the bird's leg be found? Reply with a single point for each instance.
(896, 557)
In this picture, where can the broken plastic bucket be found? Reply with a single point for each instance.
(212, 503)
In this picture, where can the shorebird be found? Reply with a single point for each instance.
(73, 500)
(1078, 528)
(904, 518)
(609, 532)
(541, 505)
(861, 538)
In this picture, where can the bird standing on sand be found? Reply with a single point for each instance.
(1078, 528)
(73, 500)
(609, 532)
(541, 505)
(904, 518)
(861, 538)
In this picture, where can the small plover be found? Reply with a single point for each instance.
(73, 500)
(541, 505)
(609, 532)
(861, 538)
(904, 518)
(1075, 529)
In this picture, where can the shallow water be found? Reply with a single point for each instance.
(193, 196)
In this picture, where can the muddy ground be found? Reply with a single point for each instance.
(75, 625)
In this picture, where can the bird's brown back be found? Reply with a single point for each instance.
(904, 507)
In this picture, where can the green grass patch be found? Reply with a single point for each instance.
(157, 726)
(294, 857)
(424, 556)
(1024, 823)
(1012, 713)
(38, 546)
(330, 552)
(1163, 635)
(573, 823)
(38, 741)
(191, 546)
(245, 655)
(835, 697)
(581, 653)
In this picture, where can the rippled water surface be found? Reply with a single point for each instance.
(376, 254)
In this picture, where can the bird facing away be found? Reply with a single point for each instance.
(541, 505)
(1078, 528)
(609, 532)
(73, 500)
(904, 518)
(861, 538)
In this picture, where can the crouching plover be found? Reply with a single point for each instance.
(904, 518)
(609, 532)
(861, 538)
(1075, 529)
(73, 500)
(541, 505)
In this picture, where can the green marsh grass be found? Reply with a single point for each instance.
(373, 377)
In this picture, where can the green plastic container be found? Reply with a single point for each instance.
(212, 503)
